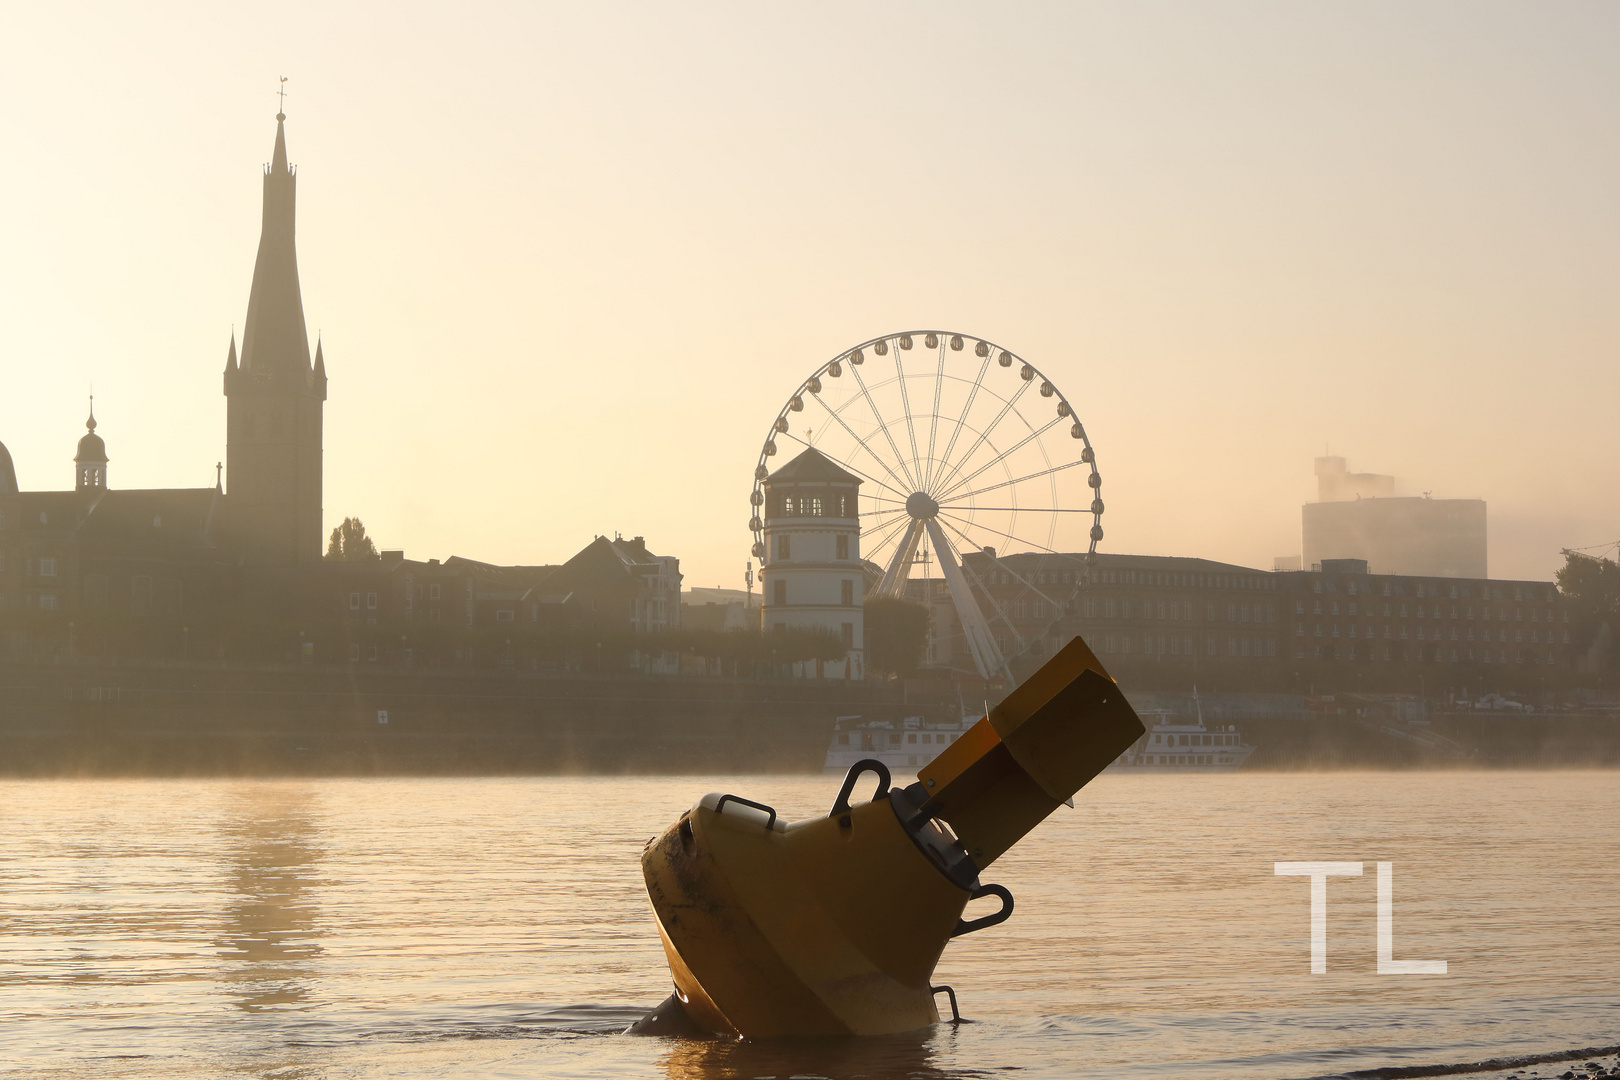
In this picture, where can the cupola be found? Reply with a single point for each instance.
(91, 461)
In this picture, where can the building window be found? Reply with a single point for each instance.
(504, 615)
(371, 601)
(433, 591)
(842, 545)
(47, 566)
(354, 654)
(47, 601)
(373, 656)
(779, 592)
(354, 601)
(846, 593)
(846, 631)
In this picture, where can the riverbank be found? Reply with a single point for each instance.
(178, 722)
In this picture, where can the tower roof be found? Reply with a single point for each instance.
(275, 343)
(813, 465)
(91, 448)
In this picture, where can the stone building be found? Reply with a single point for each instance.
(1171, 621)
(98, 568)
(810, 574)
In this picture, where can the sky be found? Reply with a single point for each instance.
(568, 260)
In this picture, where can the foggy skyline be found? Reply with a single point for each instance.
(567, 273)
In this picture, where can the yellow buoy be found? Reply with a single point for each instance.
(834, 925)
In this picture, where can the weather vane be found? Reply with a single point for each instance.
(281, 98)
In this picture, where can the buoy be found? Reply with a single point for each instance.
(833, 926)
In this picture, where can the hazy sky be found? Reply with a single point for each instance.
(568, 260)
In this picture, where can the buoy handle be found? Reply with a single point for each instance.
(967, 926)
(871, 765)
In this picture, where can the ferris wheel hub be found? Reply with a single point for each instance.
(921, 507)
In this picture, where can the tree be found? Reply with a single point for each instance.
(896, 634)
(1591, 588)
(351, 544)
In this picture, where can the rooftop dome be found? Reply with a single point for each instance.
(8, 474)
(91, 448)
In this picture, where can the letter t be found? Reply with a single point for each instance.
(1318, 872)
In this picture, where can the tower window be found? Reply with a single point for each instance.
(784, 546)
(847, 632)
(779, 592)
(846, 593)
(815, 506)
(842, 546)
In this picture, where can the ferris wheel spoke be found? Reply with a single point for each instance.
(905, 405)
(975, 628)
(879, 526)
(961, 421)
(1003, 455)
(883, 425)
(954, 499)
(862, 442)
(894, 578)
(852, 468)
(985, 434)
(1015, 575)
(892, 532)
(933, 416)
(999, 532)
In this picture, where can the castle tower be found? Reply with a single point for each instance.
(90, 463)
(274, 395)
(810, 574)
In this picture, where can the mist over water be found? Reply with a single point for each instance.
(498, 927)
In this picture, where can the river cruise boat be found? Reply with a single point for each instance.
(1171, 745)
(904, 747)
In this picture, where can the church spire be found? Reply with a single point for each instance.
(230, 363)
(275, 343)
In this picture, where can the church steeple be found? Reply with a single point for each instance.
(275, 344)
(275, 395)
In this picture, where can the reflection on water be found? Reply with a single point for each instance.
(355, 930)
(914, 1056)
(268, 942)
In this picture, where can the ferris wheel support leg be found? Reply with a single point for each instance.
(894, 578)
(981, 643)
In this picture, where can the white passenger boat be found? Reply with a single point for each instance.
(1174, 746)
(904, 747)
(1169, 744)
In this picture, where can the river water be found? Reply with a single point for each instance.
(498, 928)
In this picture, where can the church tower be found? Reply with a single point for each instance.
(274, 394)
(90, 463)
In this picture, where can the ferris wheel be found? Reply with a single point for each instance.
(977, 477)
